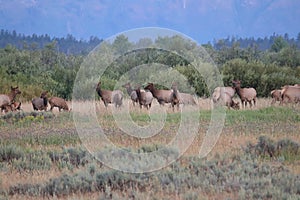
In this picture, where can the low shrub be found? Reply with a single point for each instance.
(267, 148)
(10, 152)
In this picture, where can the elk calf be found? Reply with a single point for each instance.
(132, 93)
(276, 96)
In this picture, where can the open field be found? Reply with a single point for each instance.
(256, 157)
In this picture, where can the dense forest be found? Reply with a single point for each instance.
(37, 63)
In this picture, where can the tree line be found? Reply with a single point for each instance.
(67, 45)
(47, 68)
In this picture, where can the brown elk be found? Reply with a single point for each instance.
(245, 94)
(12, 107)
(131, 92)
(163, 96)
(290, 94)
(144, 98)
(108, 96)
(59, 103)
(276, 96)
(40, 103)
(8, 99)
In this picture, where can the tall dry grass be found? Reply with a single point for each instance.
(202, 103)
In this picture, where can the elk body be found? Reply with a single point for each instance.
(228, 101)
(40, 103)
(224, 96)
(132, 93)
(184, 98)
(58, 102)
(290, 94)
(219, 91)
(247, 95)
(276, 96)
(15, 106)
(115, 97)
(163, 96)
(144, 98)
(8, 99)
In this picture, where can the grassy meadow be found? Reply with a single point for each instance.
(256, 157)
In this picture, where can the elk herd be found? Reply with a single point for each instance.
(8, 102)
(221, 96)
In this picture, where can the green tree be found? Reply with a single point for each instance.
(278, 44)
(121, 44)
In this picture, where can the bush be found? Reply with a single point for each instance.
(267, 148)
(10, 152)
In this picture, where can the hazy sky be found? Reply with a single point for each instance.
(202, 20)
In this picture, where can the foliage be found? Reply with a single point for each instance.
(46, 67)
(240, 175)
(285, 149)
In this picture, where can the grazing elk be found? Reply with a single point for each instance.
(131, 92)
(144, 98)
(59, 103)
(184, 98)
(108, 96)
(163, 96)
(276, 96)
(40, 103)
(9, 99)
(290, 94)
(245, 94)
(12, 107)
(219, 91)
(228, 101)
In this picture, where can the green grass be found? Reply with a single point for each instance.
(39, 146)
(264, 115)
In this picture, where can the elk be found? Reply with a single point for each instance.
(245, 94)
(132, 93)
(59, 103)
(144, 98)
(219, 91)
(108, 96)
(163, 96)
(40, 103)
(276, 96)
(290, 94)
(8, 99)
(227, 100)
(12, 107)
(184, 98)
